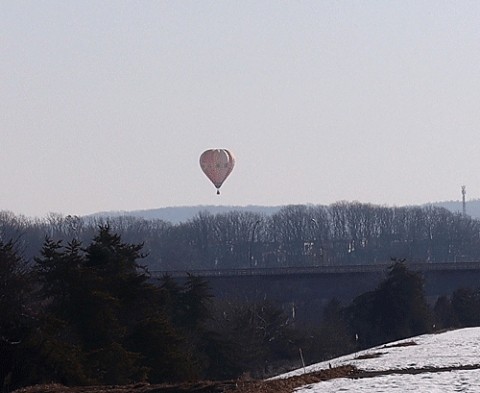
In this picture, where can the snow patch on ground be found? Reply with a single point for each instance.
(450, 349)
(443, 382)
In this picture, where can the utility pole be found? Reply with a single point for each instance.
(464, 205)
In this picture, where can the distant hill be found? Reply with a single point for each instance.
(178, 214)
(472, 207)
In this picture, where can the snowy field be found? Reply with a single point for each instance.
(443, 382)
(457, 348)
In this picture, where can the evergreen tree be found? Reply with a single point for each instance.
(15, 315)
(444, 314)
(188, 309)
(395, 310)
(161, 347)
(401, 305)
(466, 306)
(105, 320)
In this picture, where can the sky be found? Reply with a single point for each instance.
(107, 105)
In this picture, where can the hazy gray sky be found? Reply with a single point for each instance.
(107, 105)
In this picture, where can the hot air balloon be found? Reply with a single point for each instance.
(217, 164)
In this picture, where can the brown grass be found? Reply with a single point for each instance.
(287, 385)
(404, 344)
(372, 355)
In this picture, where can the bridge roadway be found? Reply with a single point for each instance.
(304, 291)
(308, 270)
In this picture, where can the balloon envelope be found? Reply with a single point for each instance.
(217, 164)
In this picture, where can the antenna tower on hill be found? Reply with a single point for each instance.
(464, 205)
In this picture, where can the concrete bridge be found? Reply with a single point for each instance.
(304, 291)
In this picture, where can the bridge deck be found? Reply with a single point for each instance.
(307, 270)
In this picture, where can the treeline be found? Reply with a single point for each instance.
(297, 235)
(89, 313)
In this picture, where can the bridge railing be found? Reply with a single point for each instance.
(424, 267)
